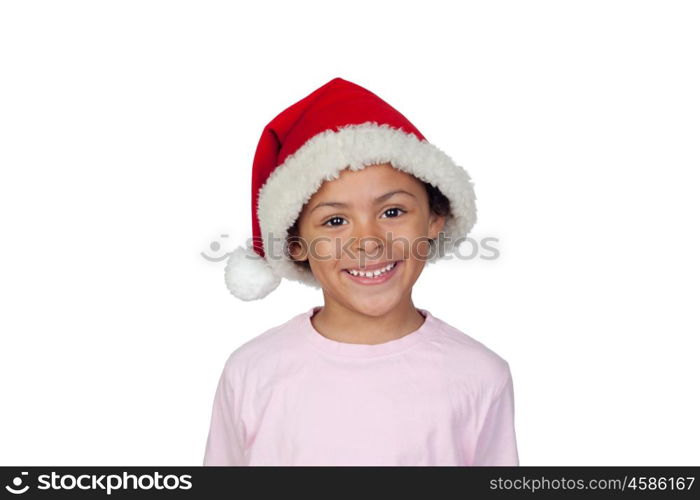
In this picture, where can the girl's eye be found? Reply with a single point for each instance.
(332, 219)
(395, 208)
(337, 218)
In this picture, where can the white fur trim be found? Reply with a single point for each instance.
(326, 154)
(248, 276)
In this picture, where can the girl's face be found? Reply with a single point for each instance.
(366, 220)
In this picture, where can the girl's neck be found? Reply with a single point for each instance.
(343, 324)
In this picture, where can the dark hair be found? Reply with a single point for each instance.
(439, 205)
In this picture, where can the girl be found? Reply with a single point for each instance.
(349, 197)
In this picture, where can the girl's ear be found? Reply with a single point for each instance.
(436, 224)
(296, 249)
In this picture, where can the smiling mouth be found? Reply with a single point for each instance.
(372, 274)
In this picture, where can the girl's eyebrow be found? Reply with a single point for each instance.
(382, 198)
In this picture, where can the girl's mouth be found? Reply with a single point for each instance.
(370, 279)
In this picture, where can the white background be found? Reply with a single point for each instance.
(127, 133)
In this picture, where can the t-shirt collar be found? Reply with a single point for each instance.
(364, 350)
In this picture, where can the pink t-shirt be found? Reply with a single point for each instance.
(291, 396)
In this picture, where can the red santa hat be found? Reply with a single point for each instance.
(340, 125)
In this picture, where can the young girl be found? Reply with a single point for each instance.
(348, 196)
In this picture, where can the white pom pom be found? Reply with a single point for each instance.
(248, 276)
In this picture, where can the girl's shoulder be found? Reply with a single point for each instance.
(265, 347)
(470, 356)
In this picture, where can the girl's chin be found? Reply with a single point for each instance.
(373, 307)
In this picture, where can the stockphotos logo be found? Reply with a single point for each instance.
(107, 483)
(17, 487)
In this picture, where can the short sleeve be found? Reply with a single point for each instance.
(224, 443)
(496, 444)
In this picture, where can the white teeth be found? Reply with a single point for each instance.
(372, 274)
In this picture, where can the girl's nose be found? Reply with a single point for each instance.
(369, 239)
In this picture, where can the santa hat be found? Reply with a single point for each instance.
(339, 125)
